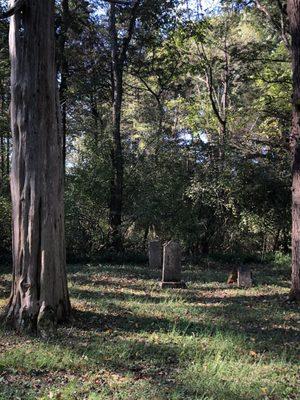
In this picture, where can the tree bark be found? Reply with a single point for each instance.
(116, 190)
(2, 148)
(39, 296)
(7, 154)
(293, 8)
(2, 151)
(116, 199)
(64, 71)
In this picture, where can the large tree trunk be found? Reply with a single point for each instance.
(7, 154)
(39, 296)
(64, 71)
(293, 8)
(2, 148)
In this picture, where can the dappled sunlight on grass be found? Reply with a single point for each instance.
(130, 340)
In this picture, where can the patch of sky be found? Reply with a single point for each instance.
(187, 137)
(196, 7)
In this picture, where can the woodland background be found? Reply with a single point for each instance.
(205, 127)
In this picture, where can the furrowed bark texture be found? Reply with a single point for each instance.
(39, 296)
(293, 8)
(64, 71)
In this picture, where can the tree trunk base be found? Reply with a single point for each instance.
(42, 323)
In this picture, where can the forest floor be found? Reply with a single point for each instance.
(129, 340)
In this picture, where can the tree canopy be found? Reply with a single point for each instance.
(204, 126)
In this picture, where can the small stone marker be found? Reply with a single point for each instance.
(244, 276)
(155, 254)
(171, 275)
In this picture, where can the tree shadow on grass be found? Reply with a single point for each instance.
(119, 340)
(125, 283)
(158, 361)
(123, 321)
(268, 331)
(118, 271)
(155, 295)
(157, 364)
(119, 296)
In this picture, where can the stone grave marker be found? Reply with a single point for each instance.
(244, 276)
(155, 254)
(171, 274)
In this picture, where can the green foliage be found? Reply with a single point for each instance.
(5, 227)
(215, 189)
(282, 260)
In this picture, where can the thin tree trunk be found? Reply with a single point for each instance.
(293, 8)
(116, 203)
(276, 240)
(116, 190)
(225, 97)
(39, 296)
(118, 58)
(95, 114)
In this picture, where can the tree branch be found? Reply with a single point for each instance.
(13, 10)
(267, 13)
(119, 2)
(211, 96)
(127, 39)
(280, 27)
(157, 96)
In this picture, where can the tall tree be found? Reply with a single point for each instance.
(119, 50)
(63, 69)
(39, 296)
(293, 9)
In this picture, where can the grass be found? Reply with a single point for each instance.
(130, 340)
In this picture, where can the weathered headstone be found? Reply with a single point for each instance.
(155, 254)
(171, 275)
(244, 276)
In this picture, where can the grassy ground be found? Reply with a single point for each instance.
(130, 340)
